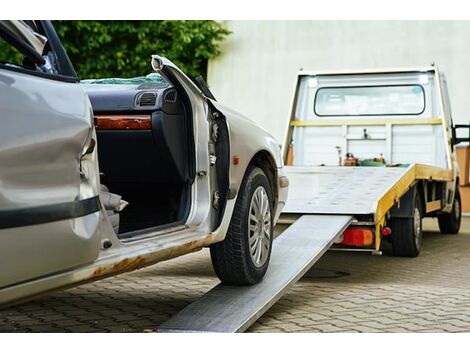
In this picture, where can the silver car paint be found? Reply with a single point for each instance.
(196, 235)
(45, 125)
(241, 130)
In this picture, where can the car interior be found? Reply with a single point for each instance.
(144, 133)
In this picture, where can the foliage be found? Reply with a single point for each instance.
(101, 49)
(9, 54)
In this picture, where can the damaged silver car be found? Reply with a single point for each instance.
(103, 177)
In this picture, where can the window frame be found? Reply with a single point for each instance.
(44, 28)
(31, 72)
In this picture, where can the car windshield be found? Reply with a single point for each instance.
(152, 78)
(370, 100)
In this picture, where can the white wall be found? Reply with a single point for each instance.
(257, 69)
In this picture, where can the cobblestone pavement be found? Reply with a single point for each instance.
(430, 293)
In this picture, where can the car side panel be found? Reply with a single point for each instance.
(246, 140)
(46, 126)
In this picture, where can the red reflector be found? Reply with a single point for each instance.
(386, 231)
(355, 236)
(123, 122)
(236, 160)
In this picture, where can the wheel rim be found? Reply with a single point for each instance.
(417, 227)
(457, 209)
(259, 227)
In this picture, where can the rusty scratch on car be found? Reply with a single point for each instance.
(140, 261)
(126, 264)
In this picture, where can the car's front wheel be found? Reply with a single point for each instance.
(243, 257)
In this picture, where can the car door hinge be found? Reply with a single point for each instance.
(215, 200)
(215, 132)
(201, 173)
(212, 159)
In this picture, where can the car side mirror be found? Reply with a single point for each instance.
(456, 140)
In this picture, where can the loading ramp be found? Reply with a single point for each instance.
(235, 308)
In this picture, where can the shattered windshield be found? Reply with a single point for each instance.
(154, 79)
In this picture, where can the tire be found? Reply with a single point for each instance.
(407, 233)
(234, 262)
(449, 223)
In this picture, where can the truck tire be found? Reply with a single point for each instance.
(407, 233)
(449, 223)
(243, 257)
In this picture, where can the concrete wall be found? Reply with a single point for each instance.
(256, 71)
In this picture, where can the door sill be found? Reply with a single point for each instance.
(151, 232)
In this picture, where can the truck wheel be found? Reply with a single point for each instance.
(449, 223)
(407, 233)
(243, 257)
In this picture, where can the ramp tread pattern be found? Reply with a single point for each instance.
(234, 308)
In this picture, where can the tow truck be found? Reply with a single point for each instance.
(377, 145)
(368, 154)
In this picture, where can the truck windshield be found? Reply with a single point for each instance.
(370, 100)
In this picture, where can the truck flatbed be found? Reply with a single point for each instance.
(361, 192)
(339, 190)
(353, 190)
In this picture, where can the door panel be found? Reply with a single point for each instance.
(46, 127)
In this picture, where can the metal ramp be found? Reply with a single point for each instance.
(235, 308)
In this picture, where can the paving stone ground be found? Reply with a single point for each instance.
(430, 293)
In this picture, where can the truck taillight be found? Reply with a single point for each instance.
(123, 122)
(358, 237)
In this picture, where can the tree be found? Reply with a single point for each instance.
(100, 49)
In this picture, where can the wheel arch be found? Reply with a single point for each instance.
(265, 161)
(404, 209)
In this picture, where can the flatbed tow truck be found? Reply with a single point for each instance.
(394, 129)
(368, 155)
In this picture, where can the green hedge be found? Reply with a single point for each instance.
(101, 49)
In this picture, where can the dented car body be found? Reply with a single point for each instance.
(152, 181)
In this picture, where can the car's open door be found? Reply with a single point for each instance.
(211, 143)
(49, 179)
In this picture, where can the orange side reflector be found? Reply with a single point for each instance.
(358, 237)
(123, 122)
(283, 182)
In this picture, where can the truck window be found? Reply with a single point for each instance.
(370, 100)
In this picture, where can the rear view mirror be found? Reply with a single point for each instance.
(456, 140)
